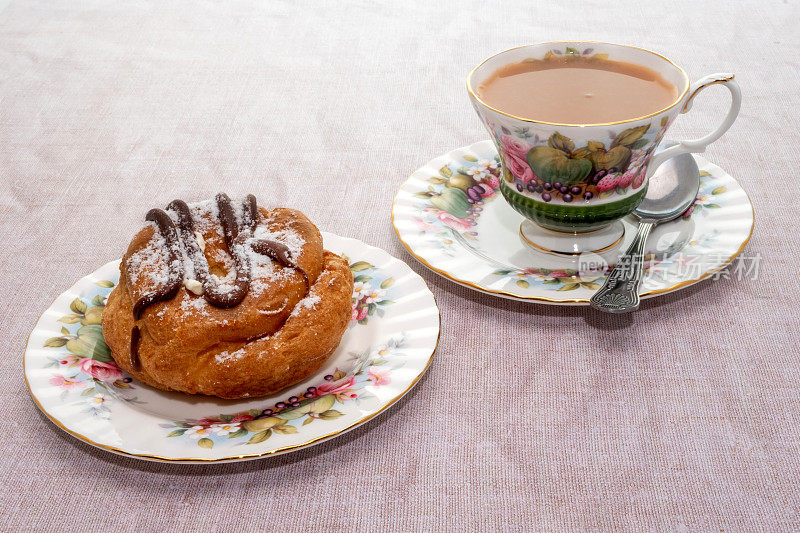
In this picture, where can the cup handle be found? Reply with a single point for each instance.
(699, 145)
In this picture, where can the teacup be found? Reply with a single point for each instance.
(611, 161)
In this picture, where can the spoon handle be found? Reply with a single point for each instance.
(620, 292)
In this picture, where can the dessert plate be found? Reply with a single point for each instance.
(386, 349)
(451, 216)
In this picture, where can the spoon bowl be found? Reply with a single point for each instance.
(672, 190)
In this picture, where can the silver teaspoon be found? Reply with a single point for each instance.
(673, 187)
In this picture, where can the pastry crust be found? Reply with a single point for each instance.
(282, 331)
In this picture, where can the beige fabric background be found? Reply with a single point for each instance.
(685, 415)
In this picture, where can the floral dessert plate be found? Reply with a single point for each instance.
(386, 349)
(451, 216)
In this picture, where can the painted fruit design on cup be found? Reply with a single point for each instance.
(607, 175)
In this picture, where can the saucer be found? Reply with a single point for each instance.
(450, 215)
(385, 350)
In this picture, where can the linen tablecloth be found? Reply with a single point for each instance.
(684, 415)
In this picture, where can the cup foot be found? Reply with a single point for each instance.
(558, 243)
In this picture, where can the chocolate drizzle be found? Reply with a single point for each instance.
(280, 253)
(213, 293)
(236, 236)
(168, 290)
(249, 214)
(136, 336)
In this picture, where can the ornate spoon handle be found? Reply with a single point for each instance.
(620, 292)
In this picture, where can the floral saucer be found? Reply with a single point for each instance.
(386, 349)
(451, 216)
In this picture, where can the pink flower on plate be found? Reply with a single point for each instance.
(515, 146)
(379, 378)
(342, 389)
(454, 222)
(65, 382)
(517, 166)
(360, 314)
(100, 370)
(244, 417)
(608, 183)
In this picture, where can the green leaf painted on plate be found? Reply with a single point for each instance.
(522, 283)
(360, 265)
(445, 171)
(261, 436)
(470, 158)
(570, 287)
(78, 306)
(98, 300)
(206, 443)
(70, 319)
(362, 277)
(331, 414)
(719, 190)
(286, 430)
(388, 282)
(176, 432)
(54, 342)
(104, 283)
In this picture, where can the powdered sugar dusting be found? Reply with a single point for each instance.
(194, 305)
(226, 357)
(205, 215)
(309, 302)
(149, 264)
